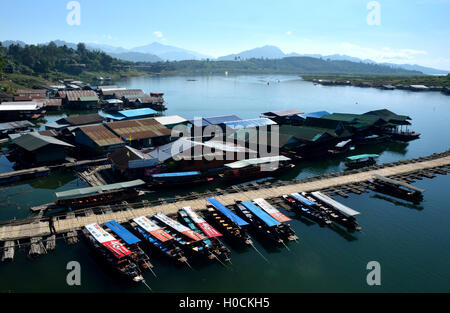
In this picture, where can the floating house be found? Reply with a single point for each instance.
(172, 121)
(97, 139)
(26, 110)
(32, 93)
(79, 99)
(13, 127)
(282, 117)
(142, 133)
(34, 148)
(418, 88)
(75, 120)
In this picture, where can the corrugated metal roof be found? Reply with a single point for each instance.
(170, 120)
(21, 106)
(83, 119)
(137, 112)
(282, 113)
(139, 129)
(215, 120)
(89, 190)
(34, 141)
(15, 125)
(101, 135)
(75, 95)
(256, 122)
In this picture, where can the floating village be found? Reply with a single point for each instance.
(124, 151)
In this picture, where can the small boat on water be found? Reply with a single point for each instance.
(227, 222)
(397, 188)
(362, 160)
(337, 212)
(158, 239)
(306, 208)
(341, 147)
(285, 229)
(112, 252)
(190, 241)
(371, 139)
(262, 223)
(195, 222)
(131, 242)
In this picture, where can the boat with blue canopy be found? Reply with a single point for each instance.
(262, 223)
(227, 222)
(131, 242)
(306, 208)
(178, 178)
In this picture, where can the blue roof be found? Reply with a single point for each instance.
(233, 217)
(122, 232)
(266, 218)
(318, 114)
(113, 116)
(302, 199)
(138, 112)
(256, 122)
(215, 120)
(179, 174)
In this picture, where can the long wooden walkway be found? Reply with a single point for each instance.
(24, 229)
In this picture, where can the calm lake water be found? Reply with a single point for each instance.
(411, 242)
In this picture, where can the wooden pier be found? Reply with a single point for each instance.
(356, 181)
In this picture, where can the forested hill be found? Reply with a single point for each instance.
(288, 65)
(45, 59)
(42, 60)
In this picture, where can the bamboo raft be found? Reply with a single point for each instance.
(356, 181)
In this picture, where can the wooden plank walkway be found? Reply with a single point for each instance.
(40, 228)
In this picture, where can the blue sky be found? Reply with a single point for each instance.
(409, 31)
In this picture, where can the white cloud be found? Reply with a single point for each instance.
(288, 33)
(158, 34)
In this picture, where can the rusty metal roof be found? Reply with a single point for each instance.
(139, 129)
(75, 95)
(101, 135)
(82, 119)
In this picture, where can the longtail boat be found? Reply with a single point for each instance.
(131, 242)
(199, 225)
(397, 188)
(263, 224)
(338, 212)
(158, 238)
(115, 254)
(306, 208)
(284, 229)
(190, 241)
(227, 222)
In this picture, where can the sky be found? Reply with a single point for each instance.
(397, 31)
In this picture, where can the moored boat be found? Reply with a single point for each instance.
(116, 255)
(158, 238)
(285, 229)
(263, 224)
(306, 208)
(227, 222)
(362, 160)
(337, 211)
(190, 241)
(132, 243)
(397, 188)
(199, 225)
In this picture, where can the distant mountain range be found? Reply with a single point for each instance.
(156, 52)
(273, 52)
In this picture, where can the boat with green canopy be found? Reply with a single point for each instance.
(361, 160)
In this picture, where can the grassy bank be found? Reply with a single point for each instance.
(378, 81)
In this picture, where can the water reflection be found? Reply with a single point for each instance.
(398, 202)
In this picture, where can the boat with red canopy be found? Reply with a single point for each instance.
(114, 253)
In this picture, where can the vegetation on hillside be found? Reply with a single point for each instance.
(378, 81)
